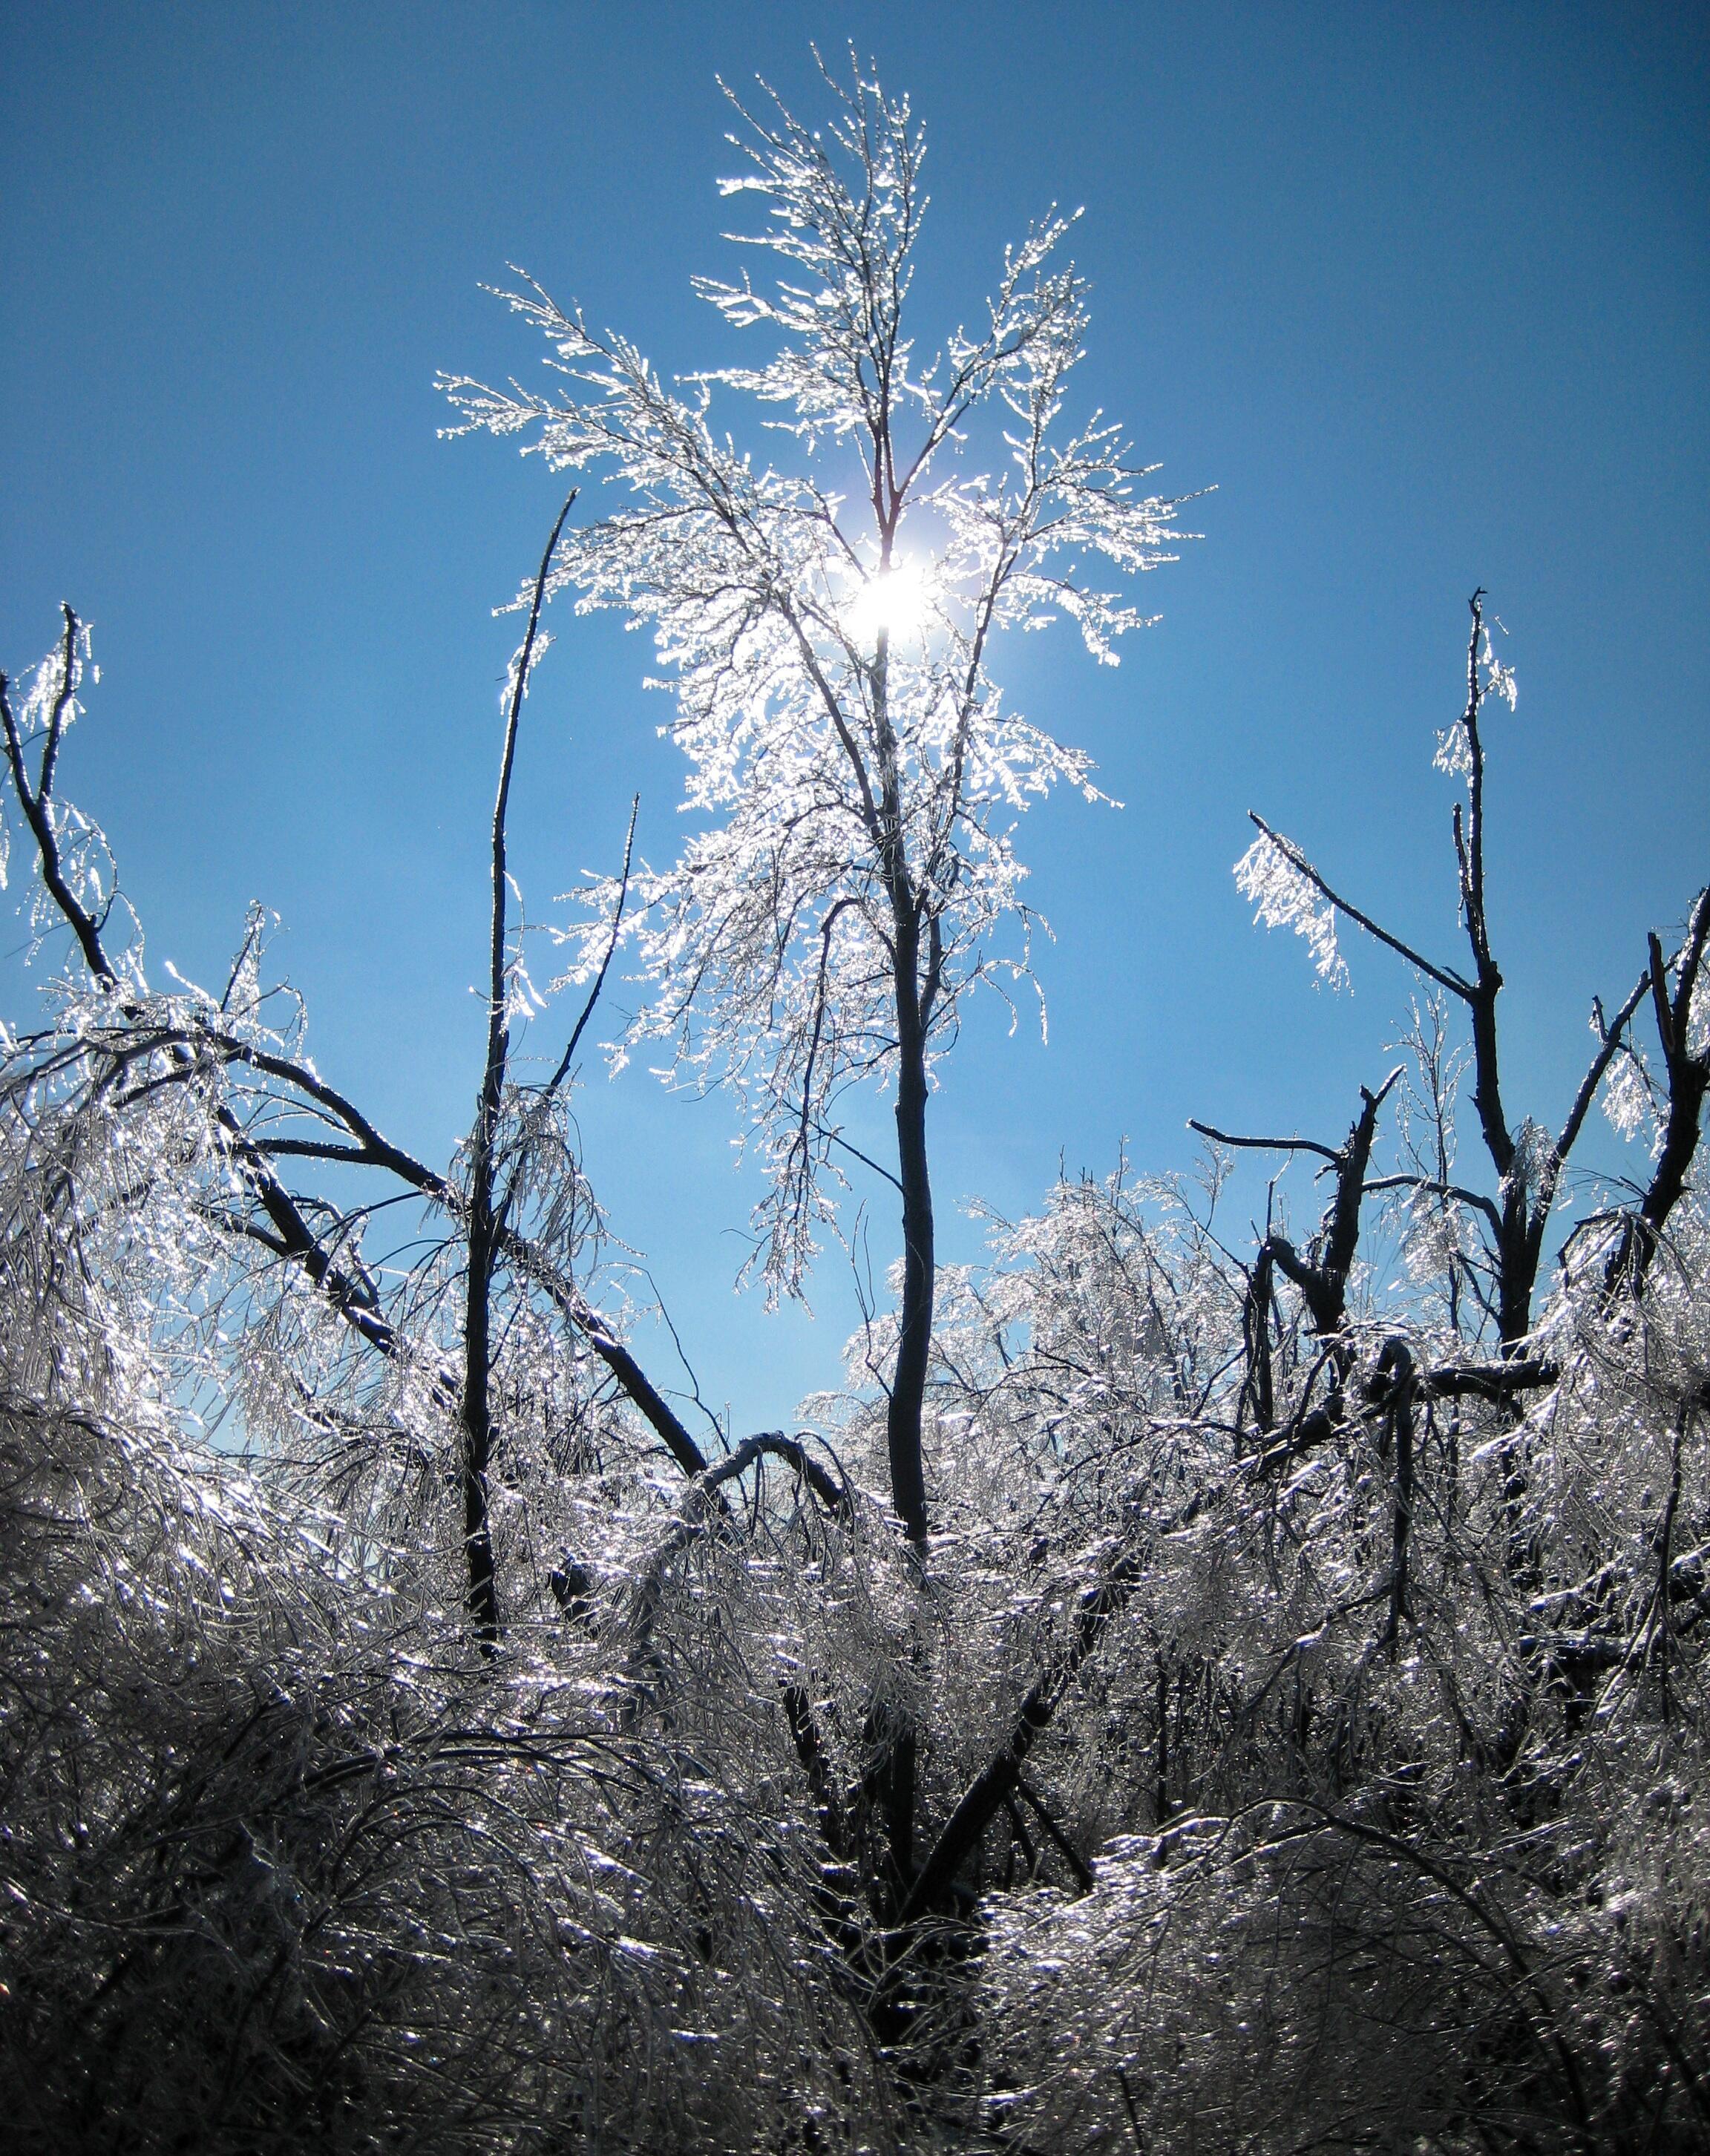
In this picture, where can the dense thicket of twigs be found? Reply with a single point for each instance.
(1310, 1719)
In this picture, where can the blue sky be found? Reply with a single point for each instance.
(1421, 291)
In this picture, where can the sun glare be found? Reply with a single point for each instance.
(897, 602)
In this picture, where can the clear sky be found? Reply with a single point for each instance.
(1421, 290)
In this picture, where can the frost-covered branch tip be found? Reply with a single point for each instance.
(1273, 876)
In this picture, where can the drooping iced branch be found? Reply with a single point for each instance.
(51, 703)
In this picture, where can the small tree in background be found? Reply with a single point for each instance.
(829, 653)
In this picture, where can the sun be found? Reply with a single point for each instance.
(896, 602)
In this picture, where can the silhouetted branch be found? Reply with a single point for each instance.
(1688, 1081)
(1079, 1867)
(599, 980)
(36, 801)
(1262, 1145)
(482, 1220)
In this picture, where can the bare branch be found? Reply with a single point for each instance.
(599, 980)
(1263, 1145)
(481, 1220)
(1599, 1064)
(1461, 1195)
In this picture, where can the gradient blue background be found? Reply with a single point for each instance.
(1420, 290)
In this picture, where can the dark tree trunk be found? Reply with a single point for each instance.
(895, 1772)
(915, 998)
(908, 1383)
(1518, 1250)
(485, 1216)
(483, 1595)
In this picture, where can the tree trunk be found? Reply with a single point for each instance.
(483, 1594)
(485, 1219)
(908, 1383)
(1518, 1249)
(897, 1768)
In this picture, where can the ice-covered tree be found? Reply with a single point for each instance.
(828, 630)
(1296, 1740)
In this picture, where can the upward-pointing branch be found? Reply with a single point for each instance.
(483, 1226)
(1688, 1082)
(129, 1031)
(599, 980)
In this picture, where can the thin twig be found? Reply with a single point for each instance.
(599, 980)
